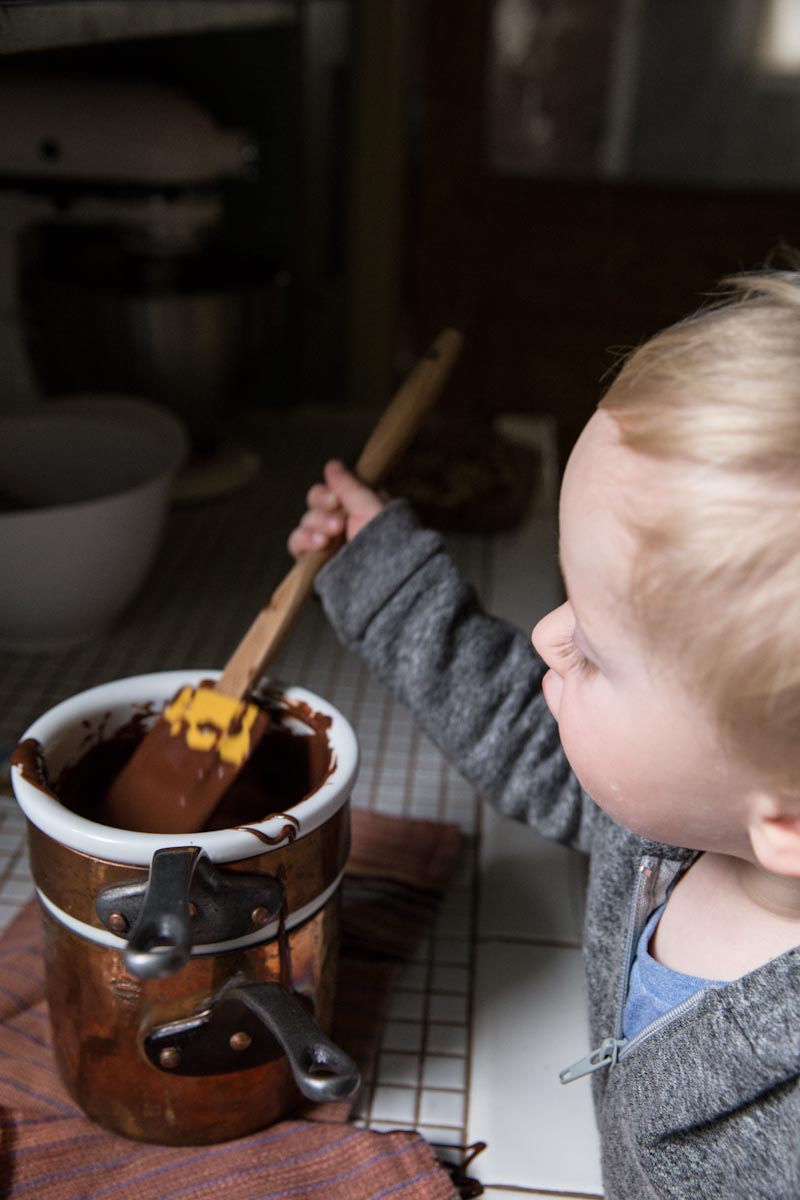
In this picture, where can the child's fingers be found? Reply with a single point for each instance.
(315, 530)
(354, 497)
(322, 522)
(302, 540)
(321, 497)
(294, 542)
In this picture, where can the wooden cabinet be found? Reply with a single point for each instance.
(550, 279)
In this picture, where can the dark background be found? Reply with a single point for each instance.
(397, 190)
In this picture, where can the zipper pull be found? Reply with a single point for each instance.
(605, 1055)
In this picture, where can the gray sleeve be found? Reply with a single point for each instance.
(473, 681)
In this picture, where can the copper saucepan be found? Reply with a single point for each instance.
(191, 978)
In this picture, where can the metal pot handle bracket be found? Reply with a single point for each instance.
(186, 900)
(248, 1024)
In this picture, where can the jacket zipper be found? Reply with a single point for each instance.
(605, 1055)
(660, 1023)
(611, 1049)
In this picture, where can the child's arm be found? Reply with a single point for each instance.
(473, 681)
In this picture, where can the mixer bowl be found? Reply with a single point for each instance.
(84, 487)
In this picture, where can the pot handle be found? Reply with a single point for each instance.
(245, 1025)
(321, 1070)
(186, 901)
(160, 942)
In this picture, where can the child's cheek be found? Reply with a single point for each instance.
(576, 740)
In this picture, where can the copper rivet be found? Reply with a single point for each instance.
(260, 915)
(192, 909)
(169, 1057)
(240, 1040)
(117, 923)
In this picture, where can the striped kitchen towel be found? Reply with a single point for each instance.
(49, 1150)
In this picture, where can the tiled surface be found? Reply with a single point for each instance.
(15, 881)
(492, 1005)
(422, 1072)
(529, 1012)
(529, 889)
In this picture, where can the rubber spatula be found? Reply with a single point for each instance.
(190, 756)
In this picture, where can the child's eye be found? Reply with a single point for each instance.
(572, 656)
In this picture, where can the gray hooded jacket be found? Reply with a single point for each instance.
(705, 1101)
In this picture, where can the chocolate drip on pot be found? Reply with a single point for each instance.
(288, 832)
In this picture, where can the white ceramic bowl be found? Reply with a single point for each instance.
(88, 480)
(65, 731)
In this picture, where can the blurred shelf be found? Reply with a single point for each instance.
(41, 25)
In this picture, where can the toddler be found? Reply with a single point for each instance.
(654, 725)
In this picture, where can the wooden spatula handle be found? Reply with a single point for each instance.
(387, 442)
(265, 636)
(411, 402)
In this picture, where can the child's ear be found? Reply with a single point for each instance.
(775, 835)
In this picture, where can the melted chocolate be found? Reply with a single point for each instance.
(286, 766)
(287, 832)
(28, 757)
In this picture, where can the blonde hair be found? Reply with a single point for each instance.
(717, 577)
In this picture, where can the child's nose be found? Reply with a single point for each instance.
(546, 636)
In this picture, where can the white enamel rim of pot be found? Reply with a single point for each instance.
(62, 733)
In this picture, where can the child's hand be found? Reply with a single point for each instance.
(339, 505)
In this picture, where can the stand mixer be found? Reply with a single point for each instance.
(111, 275)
